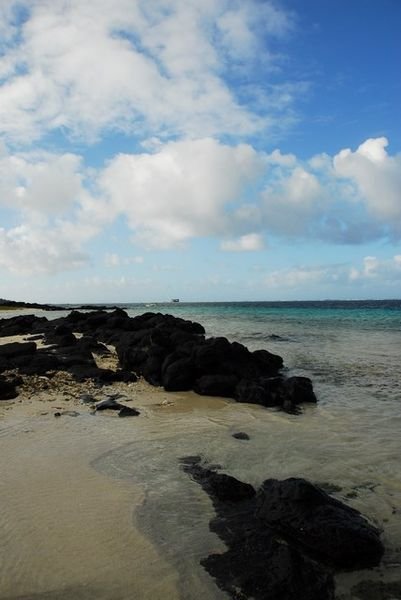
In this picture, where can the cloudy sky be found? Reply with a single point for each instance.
(200, 149)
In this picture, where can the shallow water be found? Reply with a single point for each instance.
(97, 507)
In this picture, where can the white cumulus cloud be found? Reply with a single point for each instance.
(182, 191)
(377, 178)
(131, 65)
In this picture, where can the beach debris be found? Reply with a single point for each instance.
(86, 399)
(166, 402)
(283, 540)
(68, 413)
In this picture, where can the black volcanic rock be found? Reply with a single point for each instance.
(320, 525)
(216, 385)
(240, 435)
(128, 411)
(282, 542)
(7, 389)
(15, 349)
(20, 325)
(286, 393)
(179, 376)
(167, 351)
(257, 564)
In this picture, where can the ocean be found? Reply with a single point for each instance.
(350, 440)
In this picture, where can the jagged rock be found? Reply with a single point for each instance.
(216, 385)
(40, 363)
(20, 325)
(323, 527)
(165, 350)
(258, 564)
(127, 411)
(252, 392)
(283, 542)
(179, 376)
(14, 349)
(109, 404)
(7, 389)
(219, 486)
(298, 390)
(276, 391)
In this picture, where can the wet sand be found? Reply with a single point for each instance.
(67, 530)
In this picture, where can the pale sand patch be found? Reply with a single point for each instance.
(65, 526)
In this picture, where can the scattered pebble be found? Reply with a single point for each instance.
(241, 435)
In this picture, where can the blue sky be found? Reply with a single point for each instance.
(214, 150)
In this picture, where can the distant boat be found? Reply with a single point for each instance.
(175, 299)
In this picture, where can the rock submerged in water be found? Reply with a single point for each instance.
(167, 351)
(284, 540)
(241, 435)
(320, 525)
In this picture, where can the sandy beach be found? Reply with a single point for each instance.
(71, 529)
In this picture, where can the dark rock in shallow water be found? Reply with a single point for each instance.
(258, 564)
(273, 553)
(109, 404)
(298, 390)
(276, 391)
(241, 435)
(252, 392)
(322, 526)
(219, 486)
(112, 404)
(127, 411)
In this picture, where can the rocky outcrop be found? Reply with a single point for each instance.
(318, 524)
(283, 541)
(167, 351)
(8, 389)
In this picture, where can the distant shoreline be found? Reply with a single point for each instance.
(14, 305)
(7, 305)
